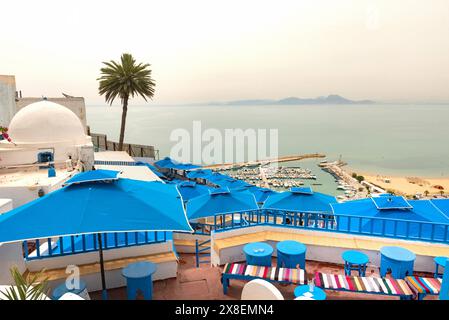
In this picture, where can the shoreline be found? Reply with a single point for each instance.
(408, 185)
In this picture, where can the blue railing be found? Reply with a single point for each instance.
(202, 249)
(349, 224)
(69, 245)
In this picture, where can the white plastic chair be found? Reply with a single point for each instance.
(70, 296)
(303, 298)
(259, 289)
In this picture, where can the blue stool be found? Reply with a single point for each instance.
(291, 253)
(355, 260)
(62, 289)
(258, 254)
(139, 277)
(399, 260)
(439, 261)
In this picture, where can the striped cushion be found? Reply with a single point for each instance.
(296, 276)
(424, 285)
(363, 284)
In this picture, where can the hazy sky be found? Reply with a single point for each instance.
(392, 50)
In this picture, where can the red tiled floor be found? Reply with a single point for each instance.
(204, 284)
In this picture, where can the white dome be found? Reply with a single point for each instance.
(44, 122)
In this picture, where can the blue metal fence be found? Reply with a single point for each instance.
(68, 245)
(349, 224)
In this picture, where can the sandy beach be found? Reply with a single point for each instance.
(407, 185)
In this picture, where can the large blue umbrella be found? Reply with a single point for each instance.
(215, 177)
(394, 216)
(97, 202)
(442, 205)
(302, 199)
(262, 194)
(164, 162)
(231, 183)
(199, 174)
(220, 201)
(169, 163)
(190, 189)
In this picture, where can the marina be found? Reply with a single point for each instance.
(275, 177)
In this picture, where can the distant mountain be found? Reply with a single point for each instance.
(330, 99)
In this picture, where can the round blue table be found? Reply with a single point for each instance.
(399, 260)
(355, 260)
(139, 277)
(258, 254)
(439, 262)
(291, 253)
(62, 289)
(316, 294)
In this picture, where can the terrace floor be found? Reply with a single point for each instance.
(204, 284)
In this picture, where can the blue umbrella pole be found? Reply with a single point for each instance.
(103, 278)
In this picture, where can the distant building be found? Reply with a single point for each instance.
(11, 101)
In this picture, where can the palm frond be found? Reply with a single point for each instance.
(26, 287)
(125, 79)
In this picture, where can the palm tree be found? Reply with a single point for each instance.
(125, 80)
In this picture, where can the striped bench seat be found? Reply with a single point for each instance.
(424, 286)
(242, 271)
(384, 286)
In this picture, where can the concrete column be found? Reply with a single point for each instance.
(7, 99)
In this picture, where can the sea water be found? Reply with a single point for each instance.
(379, 138)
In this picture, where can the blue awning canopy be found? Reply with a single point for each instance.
(355, 216)
(199, 174)
(168, 163)
(163, 162)
(216, 177)
(262, 194)
(302, 190)
(231, 183)
(386, 202)
(306, 202)
(220, 201)
(442, 205)
(190, 190)
(97, 207)
(92, 176)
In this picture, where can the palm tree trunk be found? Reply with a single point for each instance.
(123, 125)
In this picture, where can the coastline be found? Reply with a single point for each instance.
(408, 185)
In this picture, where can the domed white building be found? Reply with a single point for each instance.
(44, 122)
(46, 131)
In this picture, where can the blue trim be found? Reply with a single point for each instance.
(59, 250)
(198, 251)
(378, 227)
